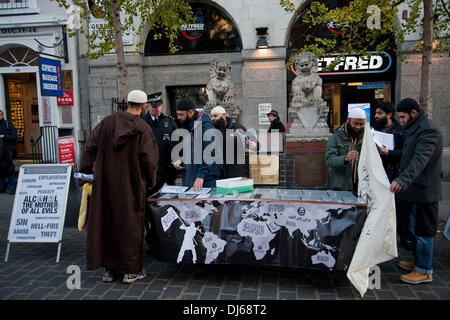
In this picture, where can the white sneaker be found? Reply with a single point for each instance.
(132, 277)
(108, 276)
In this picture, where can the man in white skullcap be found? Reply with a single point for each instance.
(231, 166)
(342, 152)
(125, 154)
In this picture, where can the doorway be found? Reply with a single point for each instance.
(22, 110)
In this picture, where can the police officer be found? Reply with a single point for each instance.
(162, 127)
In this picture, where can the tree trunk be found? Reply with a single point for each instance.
(121, 68)
(427, 55)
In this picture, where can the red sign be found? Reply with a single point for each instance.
(66, 99)
(66, 146)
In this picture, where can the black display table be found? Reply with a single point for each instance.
(315, 229)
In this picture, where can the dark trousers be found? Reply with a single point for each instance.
(9, 181)
(403, 211)
(426, 220)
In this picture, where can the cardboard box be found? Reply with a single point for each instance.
(239, 184)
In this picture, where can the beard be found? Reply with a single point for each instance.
(353, 133)
(380, 123)
(185, 124)
(410, 120)
(220, 124)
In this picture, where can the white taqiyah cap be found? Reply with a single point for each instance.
(218, 110)
(137, 96)
(356, 113)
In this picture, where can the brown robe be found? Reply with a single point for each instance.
(125, 153)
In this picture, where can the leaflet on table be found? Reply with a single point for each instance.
(202, 196)
(167, 196)
(172, 189)
(203, 191)
(382, 139)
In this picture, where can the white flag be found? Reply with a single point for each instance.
(167, 220)
(377, 242)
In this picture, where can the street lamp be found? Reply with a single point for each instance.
(262, 34)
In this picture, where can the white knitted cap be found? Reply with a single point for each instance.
(137, 96)
(356, 113)
(218, 110)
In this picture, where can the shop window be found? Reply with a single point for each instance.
(16, 108)
(212, 31)
(197, 94)
(19, 56)
(10, 7)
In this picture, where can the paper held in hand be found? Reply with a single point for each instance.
(385, 140)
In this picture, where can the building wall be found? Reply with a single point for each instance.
(440, 93)
(258, 75)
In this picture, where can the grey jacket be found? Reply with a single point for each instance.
(420, 164)
(340, 171)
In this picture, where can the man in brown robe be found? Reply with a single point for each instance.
(125, 154)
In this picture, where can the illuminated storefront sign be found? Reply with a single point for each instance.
(193, 31)
(354, 64)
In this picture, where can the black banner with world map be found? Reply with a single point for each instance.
(260, 232)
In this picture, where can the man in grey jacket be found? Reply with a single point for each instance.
(419, 186)
(342, 152)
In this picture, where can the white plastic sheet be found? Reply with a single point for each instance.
(377, 242)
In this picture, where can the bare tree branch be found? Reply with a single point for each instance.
(445, 8)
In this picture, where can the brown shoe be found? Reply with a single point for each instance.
(416, 277)
(407, 265)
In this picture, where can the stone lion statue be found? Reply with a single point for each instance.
(220, 86)
(307, 85)
(307, 109)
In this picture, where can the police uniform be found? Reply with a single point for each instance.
(162, 128)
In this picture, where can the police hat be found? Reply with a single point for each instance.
(154, 99)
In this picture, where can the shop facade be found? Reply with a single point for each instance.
(30, 31)
(230, 29)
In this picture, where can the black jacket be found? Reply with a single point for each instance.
(391, 161)
(10, 134)
(276, 124)
(162, 130)
(235, 169)
(421, 160)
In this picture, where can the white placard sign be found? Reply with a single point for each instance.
(40, 203)
(263, 110)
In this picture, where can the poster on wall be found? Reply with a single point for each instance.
(51, 77)
(66, 148)
(65, 100)
(263, 110)
(46, 110)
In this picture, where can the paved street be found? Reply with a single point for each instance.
(33, 274)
